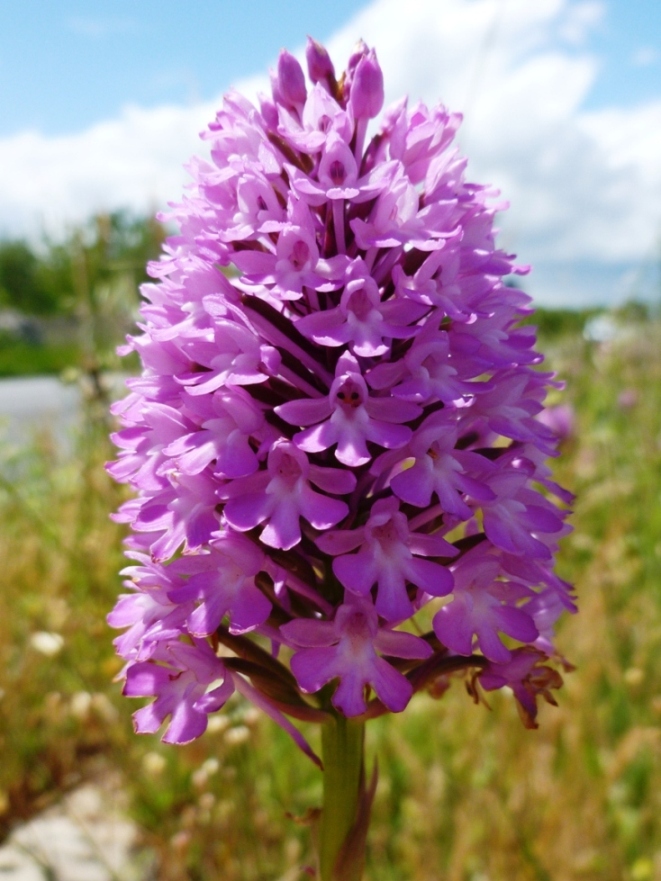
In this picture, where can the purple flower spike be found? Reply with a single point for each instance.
(346, 649)
(340, 419)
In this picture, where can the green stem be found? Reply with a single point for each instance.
(342, 744)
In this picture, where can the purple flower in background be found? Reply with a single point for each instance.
(339, 432)
(561, 420)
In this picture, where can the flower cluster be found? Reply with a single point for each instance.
(336, 425)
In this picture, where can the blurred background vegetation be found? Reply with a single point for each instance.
(465, 793)
(67, 303)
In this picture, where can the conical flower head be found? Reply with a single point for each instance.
(337, 421)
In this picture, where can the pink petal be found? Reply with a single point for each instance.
(430, 577)
(356, 572)
(402, 645)
(304, 411)
(245, 512)
(314, 667)
(309, 633)
(391, 686)
(341, 541)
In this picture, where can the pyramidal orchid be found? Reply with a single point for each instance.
(341, 494)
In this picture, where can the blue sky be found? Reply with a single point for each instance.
(101, 104)
(65, 64)
(628, 42)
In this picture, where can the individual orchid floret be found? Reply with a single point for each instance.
(295, 264)
(362, 319)
(148, 612)
(222, 439)
(143, 443)
(346, 649)
(427, 371)
(253, 203)
(282, 494)
(222, 582)
(337, 177)
(509, 407)
(517, 518)
(366, 94)
(441, 470)
(435, 280)
(349, 417)
(185, 689)
(528, 678)
(422, 140)
(289, 83)
(396, 218)
(184, 512)
(545, 609)
(484, 605)
(561, 420)
(389, 557)
(233, 357)
(321, 115)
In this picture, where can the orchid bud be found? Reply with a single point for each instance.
(289, 83)
(366, 89)
(320, 66)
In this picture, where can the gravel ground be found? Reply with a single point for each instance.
(84, 838)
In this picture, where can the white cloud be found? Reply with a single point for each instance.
(580, 19)
(582, 185)
(585, 187)
(133, 161)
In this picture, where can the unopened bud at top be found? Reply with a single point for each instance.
(289, 83)
(360, 51)
(320, 66)
(366, 87)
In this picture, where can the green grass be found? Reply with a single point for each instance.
(20, 358)
(465, 793)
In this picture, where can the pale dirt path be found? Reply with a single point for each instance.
(84, 838)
